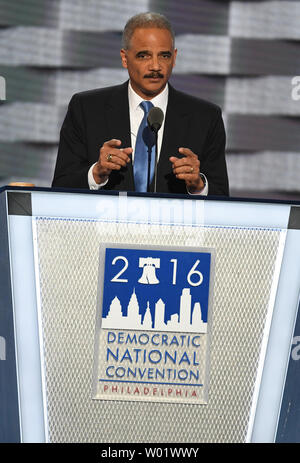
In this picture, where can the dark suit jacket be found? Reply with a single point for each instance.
(97, 116)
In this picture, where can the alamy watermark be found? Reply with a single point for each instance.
(295, 88)
(2, 88)
(295, 353)
(2, 348)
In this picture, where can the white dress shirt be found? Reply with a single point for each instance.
(136, 115)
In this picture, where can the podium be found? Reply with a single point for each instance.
(57, 385)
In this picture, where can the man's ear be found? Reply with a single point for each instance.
(123, 58)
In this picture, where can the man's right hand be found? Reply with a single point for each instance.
(111, 158)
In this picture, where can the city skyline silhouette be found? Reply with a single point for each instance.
(187, 319)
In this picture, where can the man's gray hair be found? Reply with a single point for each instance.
(145, 20)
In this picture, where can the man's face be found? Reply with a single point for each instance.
(149, 61)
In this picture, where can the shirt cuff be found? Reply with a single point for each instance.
(91, 181)
(203, 192)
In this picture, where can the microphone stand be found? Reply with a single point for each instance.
(149, 169)
(156, 158)
(155, 120)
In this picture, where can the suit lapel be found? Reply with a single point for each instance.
(175, 132)
(118, 122)
(118, 115)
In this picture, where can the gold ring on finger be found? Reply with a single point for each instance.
(109, 157)
(192, 170)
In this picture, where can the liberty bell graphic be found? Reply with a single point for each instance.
(149, 264)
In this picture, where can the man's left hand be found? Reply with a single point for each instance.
(188, 169)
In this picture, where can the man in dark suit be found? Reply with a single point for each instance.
(101, 135)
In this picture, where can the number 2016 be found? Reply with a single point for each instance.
(194, 276)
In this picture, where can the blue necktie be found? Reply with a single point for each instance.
(144, 156)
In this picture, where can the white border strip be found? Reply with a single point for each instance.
(171, 211)
(279, 343)
(266, 333)
(26, 330)
(10, 247)
(40, 329)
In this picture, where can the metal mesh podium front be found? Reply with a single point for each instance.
(247, 268)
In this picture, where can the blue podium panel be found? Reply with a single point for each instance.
(133, 311)
(9, 410)
(289, 420)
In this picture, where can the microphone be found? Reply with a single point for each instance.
(155, 119)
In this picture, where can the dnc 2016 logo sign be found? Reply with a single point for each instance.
(154, 324)
(156, 290)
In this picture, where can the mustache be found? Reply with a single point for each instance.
(153, 75)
